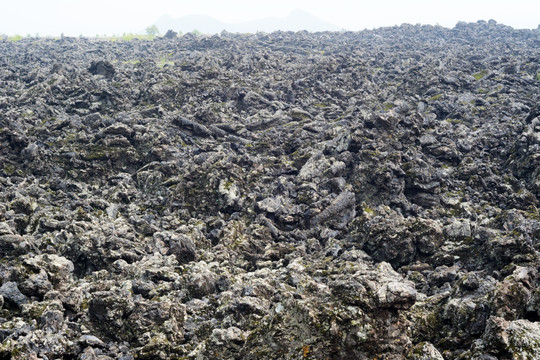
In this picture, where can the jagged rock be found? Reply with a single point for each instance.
(514, 292)
(170, 34)
(12, 295)
(458, 229)
(396, 295)
(37, 284)
(518, 338)
(103, 68)
(425, 351)
(523, 338)
(339, 212)
(443, 274)
(271, 205)
(91, 340)
(194, 127)
(467, 314)
(13, 244)
(183, 249)
(58, 268)
(119, 129)
(392, 238)
(348, 195)
(179, 245)
(202, 281)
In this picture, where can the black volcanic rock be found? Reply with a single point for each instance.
(101, 67)
(286, 195)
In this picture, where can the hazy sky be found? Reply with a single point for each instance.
(91, 17)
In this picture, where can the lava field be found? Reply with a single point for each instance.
(333, 195)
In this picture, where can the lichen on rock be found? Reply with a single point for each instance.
(347, 195)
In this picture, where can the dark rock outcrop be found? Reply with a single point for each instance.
(287, 195)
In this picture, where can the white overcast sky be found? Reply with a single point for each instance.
(91, 17)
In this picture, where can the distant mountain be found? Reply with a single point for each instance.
(296, 21)
(202, 23)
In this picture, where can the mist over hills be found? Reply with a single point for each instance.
(296, 21)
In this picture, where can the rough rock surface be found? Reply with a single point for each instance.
(272, 196)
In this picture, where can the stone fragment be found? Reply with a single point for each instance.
(11, 294)
(425, 351)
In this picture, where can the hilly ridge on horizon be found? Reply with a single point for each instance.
(297, 20)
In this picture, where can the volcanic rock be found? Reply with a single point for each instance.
(347, 195)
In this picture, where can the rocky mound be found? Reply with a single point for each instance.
(272, 196)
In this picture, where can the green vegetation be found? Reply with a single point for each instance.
(368, 209)
(533, 213)
(9, 169)
(435, 97)
(454, 121)
(388, 106)
(131, 36)
(15, 38)
(165, 60)
(228, 184)
(152, 30)
(125, 37)
(115, 37)
(538, 76)
(479, 75)
(131, 62)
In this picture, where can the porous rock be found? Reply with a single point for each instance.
(331, 195)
